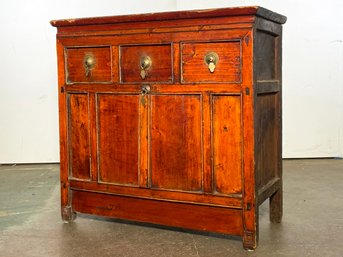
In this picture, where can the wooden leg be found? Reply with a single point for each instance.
(275, 206)
(250, 240)
(67, 214)
(250, 236)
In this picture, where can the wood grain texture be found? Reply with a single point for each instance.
(265, 57)
(161, 66)
(210, 13)
(276, 199)
(227, 143)
(118, 135)
(267, 159)
(143, 141)
(207, 144)
(196, 217)
(93, 136)
(159, 27)
(268, 154)
(175, 145)
(66, 209)
(79, 144)
(234, 201)
(200, 150)
(194, 68)
(250, 207)
(75, 70)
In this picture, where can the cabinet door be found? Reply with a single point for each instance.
(175, 142)
(118, 129)
(79, 154)
(227, 143)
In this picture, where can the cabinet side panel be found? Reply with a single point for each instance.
(265, 56)
(267, 138)
(268, 92)
(176, 148)
(78, 136)
(227, 144)
(118, 126)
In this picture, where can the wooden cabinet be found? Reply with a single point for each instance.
(172, 118)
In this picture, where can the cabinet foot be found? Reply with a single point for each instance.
(249, 240)
(67, 214)
(275, 207)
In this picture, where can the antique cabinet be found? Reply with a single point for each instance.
(172, 118)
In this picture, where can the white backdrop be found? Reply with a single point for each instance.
(312, 69)
(312, 73)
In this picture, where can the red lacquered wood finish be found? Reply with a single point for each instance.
(75, 64)
(175, 142)
(227, 143)
(118, 132)
(182, 141)
(79, 136)
(228, 67)
(161, 66)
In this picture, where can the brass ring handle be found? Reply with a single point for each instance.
(145, 64)
(211, 59)
(88, 63)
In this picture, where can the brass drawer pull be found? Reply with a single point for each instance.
(145, 64)
(88, 63)
(211, 59)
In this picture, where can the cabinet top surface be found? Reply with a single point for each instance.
(207, 13)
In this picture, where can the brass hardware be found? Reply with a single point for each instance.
(145, 89)
(145, 64)
(211, 59)
(88, 63)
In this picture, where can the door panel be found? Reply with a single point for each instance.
(227, 143)
(78, 136)
(175, 142)
(118, 135)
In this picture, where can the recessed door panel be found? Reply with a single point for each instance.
(175, 142)
(227, 144)
(78, 136)
(118, 135)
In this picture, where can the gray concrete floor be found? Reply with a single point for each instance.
(30, 223)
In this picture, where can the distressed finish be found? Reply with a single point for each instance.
(179, 143)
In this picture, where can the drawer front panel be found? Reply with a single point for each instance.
(118, 133)
(159, 69)
(88, 64)
(175, 144)
(78, 136)
(195, 67)
(227, 143)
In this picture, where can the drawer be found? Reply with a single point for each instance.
(211, 62)
(146, 63)
(88, 64)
